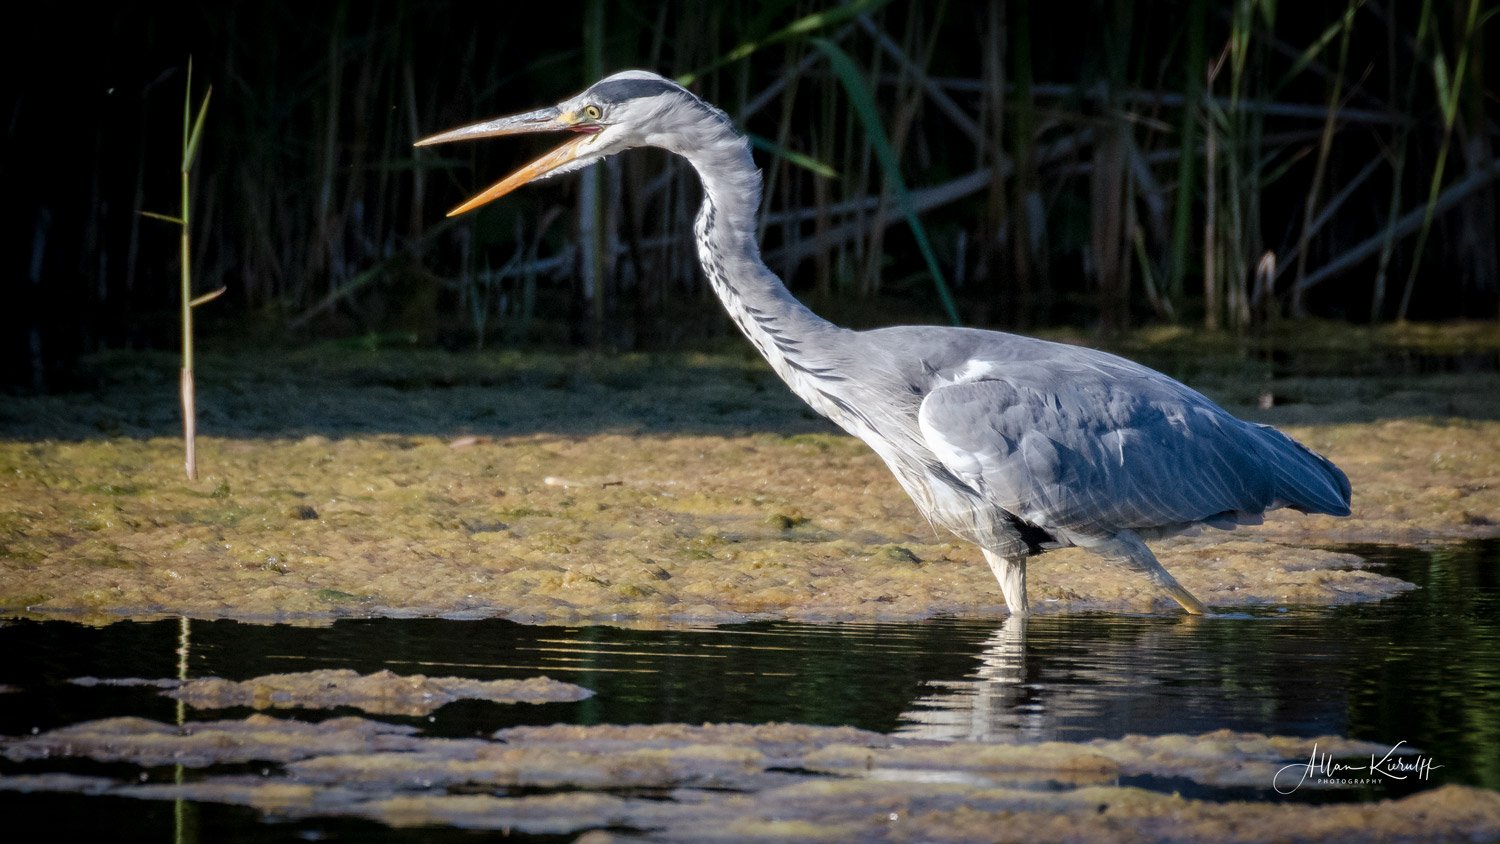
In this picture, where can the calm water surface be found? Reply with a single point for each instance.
(1423, 668)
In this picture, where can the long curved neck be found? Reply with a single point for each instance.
(782, 328)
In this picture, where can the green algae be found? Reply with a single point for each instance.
(552, 487)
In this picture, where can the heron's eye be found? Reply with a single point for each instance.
(592, 112)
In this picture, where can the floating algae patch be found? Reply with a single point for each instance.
(1229, 759)
(551, 488)
(847, 810)
(681, 782)
(257, 738)
(381, 693)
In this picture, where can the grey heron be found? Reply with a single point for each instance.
(1016, 444)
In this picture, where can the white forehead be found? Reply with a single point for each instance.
(634, 74)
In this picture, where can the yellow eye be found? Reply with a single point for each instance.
(592, 112)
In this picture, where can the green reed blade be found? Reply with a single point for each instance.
(869, 117)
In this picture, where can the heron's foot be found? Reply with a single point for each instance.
(1127, 548)
(1011, 573)
(1175, 591)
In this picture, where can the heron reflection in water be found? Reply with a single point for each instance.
(1016, 444)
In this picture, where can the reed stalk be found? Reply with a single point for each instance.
(591, 198)
(1195, 59)
(1026, 232)
(192, 133)
(1325, 147)
(323, 215)
(864, 107)
(1447, 85)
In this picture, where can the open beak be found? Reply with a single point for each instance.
(542, 120)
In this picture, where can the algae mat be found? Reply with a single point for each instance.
(741, 782)
(568, 488)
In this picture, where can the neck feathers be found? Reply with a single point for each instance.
(774, 321)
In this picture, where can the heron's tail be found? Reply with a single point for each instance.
(1305, 479)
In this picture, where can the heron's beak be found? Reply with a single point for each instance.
(543, 120)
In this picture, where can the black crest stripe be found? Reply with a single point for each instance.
(620, 90)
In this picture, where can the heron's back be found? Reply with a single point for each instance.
(1082, 443)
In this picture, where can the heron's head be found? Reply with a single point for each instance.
(629, 109)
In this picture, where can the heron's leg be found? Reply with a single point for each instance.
(1127, 548)
(1011, 572)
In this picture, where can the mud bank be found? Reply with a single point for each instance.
(569, 488)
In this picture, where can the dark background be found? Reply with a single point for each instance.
(1102, 172)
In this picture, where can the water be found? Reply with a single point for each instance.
(1423, 668)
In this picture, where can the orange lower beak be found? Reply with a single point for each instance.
(545, 120)
(563, 155)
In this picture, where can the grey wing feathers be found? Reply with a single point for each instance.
(1091, 444)
(1308, 480)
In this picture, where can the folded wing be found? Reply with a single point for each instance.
(1087, 448)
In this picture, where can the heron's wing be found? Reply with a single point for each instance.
(1089, 448)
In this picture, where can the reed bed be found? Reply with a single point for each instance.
(1006, 164)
